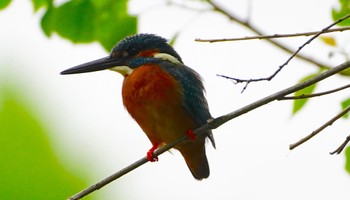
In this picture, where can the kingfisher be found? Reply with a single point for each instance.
(164, 96)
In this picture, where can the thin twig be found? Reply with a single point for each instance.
(306, 96)
(341, 147)
(261, 37)
(213, 124)
(184, 6)
(315, 132)
(248, 81)
(256, 30)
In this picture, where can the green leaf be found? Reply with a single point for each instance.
(83, 21)
(341, 12)
(47, 20)
(73, 20)
(345, 104)
(4, 4)
(345, 72)
(174, 38)
(41, 3)
(300, 103)
(29, 169)
(347, 159)
(113, 24)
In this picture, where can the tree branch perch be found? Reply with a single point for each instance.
(262, 37)
(306, 96)
(215, 123)
(256, 30)
(315, 132)
(294, 54)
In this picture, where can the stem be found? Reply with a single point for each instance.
(213, 124)
(255, 30)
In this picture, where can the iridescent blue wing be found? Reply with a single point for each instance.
(194, 100)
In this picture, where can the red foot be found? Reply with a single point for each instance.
(191, 135)
(150, 152)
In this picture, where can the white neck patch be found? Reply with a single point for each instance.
(123, 70)
(167, 57)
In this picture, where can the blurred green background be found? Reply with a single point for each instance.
(29, 168)
(37, 160)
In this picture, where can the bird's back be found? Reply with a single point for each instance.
(167, 106)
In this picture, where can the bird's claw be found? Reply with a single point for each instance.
(150, 152)
(191, 135)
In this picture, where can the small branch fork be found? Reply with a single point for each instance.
(315, 132)
(248, 81)
(213, 124)
(245, 23)
(306, 96)
(328, 123)
(341, 147)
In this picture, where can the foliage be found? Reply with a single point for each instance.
(4, 3)
(299, 103)
(28, 167)
(347, 156)
(41, 3)
(86, 21)
(329, 40)
(341, 12)
(345, 103)
(83, 21)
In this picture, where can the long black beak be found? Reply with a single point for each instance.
(96, 65)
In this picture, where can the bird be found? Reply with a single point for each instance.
(163, 95)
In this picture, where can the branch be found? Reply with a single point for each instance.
(305, 96)
(183, 5)
(342, 146)
(213, 124)
(315, 132)
(255, 30)
(261, 37)
(248, 81)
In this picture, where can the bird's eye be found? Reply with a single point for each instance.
(115, 54)
(125, 53)
(119, 54)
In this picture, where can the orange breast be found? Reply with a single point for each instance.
(153, 98)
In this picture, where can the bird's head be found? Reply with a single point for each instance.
(130, 53)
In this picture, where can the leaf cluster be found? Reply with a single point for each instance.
(344, 9)
(86, 21)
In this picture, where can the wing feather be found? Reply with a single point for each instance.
(194, 100)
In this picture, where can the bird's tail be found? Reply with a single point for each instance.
(196, 159)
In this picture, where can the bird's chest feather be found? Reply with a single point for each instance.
(150, 85)
(154, 99)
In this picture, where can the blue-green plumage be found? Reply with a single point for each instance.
(193, 99)
(163, 95)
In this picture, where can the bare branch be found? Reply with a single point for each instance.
(256, 30)
(341, 147)
(183, 5)
(315, 132)
(305, 96)
(261, 37)
(248, 81)
(213, 124)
